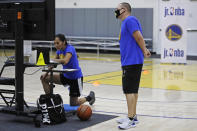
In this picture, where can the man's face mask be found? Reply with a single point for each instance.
(117, 13)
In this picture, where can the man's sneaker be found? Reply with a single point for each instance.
(92, 96)
(135, 119)
(127, 124)
(122, 120)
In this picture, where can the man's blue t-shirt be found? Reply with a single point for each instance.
(72, 64)
(130, 51)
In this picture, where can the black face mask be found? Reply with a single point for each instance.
(117, 13)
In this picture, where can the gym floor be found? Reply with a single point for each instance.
(167, 94)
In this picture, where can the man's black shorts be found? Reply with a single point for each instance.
(131, 75)
(75, 86)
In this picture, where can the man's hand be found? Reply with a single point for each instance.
(147, 53)
(140, 41)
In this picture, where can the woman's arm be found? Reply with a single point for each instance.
(56, 56)
(64, 60)
(49, 68)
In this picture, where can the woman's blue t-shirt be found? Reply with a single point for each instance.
(72, 64)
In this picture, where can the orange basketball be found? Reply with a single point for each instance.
(84, 112)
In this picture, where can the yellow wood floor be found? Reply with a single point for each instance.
(155, 75)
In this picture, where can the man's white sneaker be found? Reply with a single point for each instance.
(121, 120)
(127, 124)
(135, 119)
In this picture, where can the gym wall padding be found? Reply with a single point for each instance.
(98, 22)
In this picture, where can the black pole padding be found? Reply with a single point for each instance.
(19, 60)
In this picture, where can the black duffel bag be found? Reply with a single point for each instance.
(52, 109)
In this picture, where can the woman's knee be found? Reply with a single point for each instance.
(44, 79)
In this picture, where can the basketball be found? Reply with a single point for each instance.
(84, 112)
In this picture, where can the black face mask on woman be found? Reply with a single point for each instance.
(117, 13)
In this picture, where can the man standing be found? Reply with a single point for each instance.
(132, 51)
